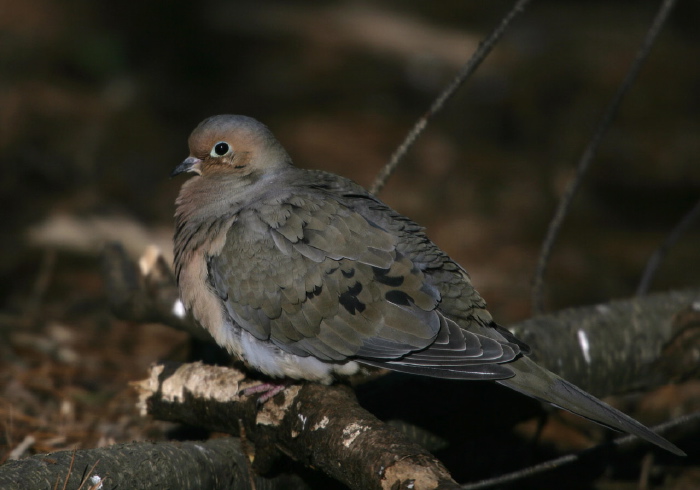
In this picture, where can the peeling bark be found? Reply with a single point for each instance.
(319, 426)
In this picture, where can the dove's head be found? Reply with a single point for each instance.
(233, 145)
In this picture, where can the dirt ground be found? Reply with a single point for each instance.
(97, 100)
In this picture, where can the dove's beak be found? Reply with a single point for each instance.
(189, 164)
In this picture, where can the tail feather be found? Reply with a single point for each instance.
(536, 382)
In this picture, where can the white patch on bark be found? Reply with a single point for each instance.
(585, 345)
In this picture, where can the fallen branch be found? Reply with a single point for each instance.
(146, 292)
(687, 424)
(214, 464)
(465, 72)
(319, 426)
(619, 346)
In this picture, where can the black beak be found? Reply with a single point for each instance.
(185, 166)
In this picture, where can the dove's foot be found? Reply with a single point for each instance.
(265, 389)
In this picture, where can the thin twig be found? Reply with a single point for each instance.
(661, 252)
(623, 442)
(70, 469)
(87, 477)
(472, 64)
(22, 447)
(590, 152)
(249, 451)
(522, 474)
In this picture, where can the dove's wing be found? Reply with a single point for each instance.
(315, 277)
(459, 300)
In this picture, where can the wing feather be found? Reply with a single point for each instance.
(318, 276)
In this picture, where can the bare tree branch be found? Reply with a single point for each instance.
(316, 425)
(590, 152)
(470, 67)
(618, 346)
(688, 423)
(313, 424)
(661, 252)
(146, 292)
(214, 464)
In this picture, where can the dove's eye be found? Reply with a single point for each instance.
(220, 149)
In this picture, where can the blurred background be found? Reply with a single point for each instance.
(97, 100)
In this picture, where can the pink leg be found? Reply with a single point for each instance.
(267, 390)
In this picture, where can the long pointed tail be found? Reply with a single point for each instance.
(535, 381)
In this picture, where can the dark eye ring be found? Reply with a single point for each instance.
(220, 149)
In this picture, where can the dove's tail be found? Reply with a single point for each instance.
(535, 381)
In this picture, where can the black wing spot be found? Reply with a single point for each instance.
(348, 274)
(349, 299)
(398, 298)
(315, 292)
(380, 275)
(210, 278)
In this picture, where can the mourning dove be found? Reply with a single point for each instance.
(304, 274)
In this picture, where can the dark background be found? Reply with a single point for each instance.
(97, 100)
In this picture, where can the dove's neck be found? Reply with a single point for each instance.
(207, 201)
(208, 205)
(213, 196)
